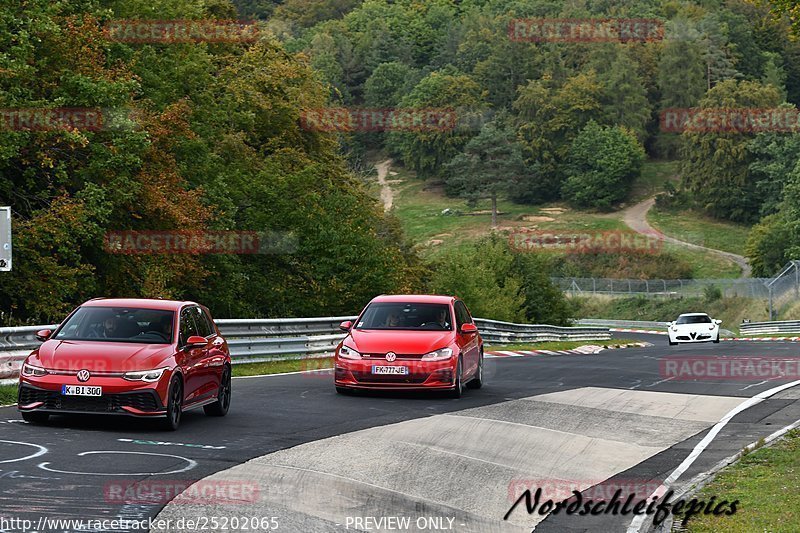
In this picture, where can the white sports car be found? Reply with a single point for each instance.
(693, 327)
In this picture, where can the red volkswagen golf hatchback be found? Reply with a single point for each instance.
(148, 358)
(411, 342)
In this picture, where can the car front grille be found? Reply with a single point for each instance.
(409, 379)
(400, 356)
(108, 403)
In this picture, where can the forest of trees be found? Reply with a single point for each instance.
(215, 144)
(214, 140)
(561, 101)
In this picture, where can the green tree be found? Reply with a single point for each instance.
(714, 165)
(490, 164)
(388, 84)
(549, 118)
(426, 151)
(624, 95)
(602, 164)
(483, 275)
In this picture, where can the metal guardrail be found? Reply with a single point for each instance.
(760, 328)
(495, 331)
(638, 324)
(624, 324)
(255, 340)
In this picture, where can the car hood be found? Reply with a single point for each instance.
(101, 356)
(695, 327)
(398, 341)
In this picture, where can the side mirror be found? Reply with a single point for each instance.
(469, 328)
(717, 321)
(346, 325)
(43, 334)
(195, 341)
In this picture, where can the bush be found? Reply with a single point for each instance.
(712, 293)
(499, 284)
(602, 164)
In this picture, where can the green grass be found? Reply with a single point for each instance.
(8, 394)
(419, 204)
(705, 264)
(765, 482)
(419, 207)
(699, 229)
(730, 310)
(651, 181)
(278, 367)
(555, 345)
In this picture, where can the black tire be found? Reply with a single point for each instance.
(344, 390)
(174, 404)
(672, 343)
(458, 388)
(223, 403)
(477, 381)
(34, 417)
(716, 341)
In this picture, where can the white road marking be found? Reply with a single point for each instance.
(190, 464)
(41, 451)
(638, 521)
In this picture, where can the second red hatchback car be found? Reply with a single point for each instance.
(411, 342)
(148, 358)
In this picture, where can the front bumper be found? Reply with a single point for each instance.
(120, 397)
(693, 336)
(427, 375)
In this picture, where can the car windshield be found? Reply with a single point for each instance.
(694, 319)
(400, 315)
(118, 324)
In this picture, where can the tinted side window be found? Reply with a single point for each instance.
(203, 327)
(188, 327)
(462, 315)
(210, 321)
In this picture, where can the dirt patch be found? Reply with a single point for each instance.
(552, 210)
(435, 242)
(537, 218)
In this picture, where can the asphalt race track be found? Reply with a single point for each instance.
(292, 455)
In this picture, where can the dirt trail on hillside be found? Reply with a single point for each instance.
(636, 219)
(387, 196)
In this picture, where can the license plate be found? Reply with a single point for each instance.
(390, 370)
(81, 390)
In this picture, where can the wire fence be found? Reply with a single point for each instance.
(778, 291)
(749, 287)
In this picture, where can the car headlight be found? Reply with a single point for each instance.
(674, 328)
(149, 376)
(34, 371)
(345, 352)
(438, 355)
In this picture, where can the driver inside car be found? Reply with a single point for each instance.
(392, 320)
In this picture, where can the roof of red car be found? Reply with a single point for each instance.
(414, 298)
(140, 303)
